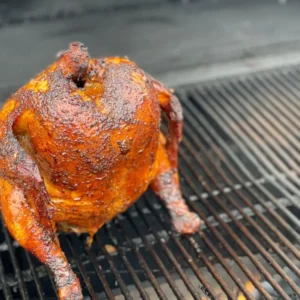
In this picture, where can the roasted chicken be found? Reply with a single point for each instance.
(78, 145)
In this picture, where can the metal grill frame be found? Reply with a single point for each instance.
(269, 141)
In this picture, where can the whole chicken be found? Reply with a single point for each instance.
(79, 144)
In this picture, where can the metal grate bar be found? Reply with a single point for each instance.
(279, 143)
(292, 79)
(81, 269)
(247, 136)
(240, 243)
(211, 269)
(290, 111)
(224, 263)
(207, 289)
(238, 192)
(171, 257)
(287, 122)
(130, 269)
(145, 267)
(239, 165)
(289, 85)
(100, 275)
(35, 277)
(241, 102)
(261, 248)
(243, 198)
(239, 224)
(250, 220)
(288, 161)
(254, 160)
(6, 289)
(293, 87)
(287, 108)
(158, 260)
(280, 92)
(117, 275)
(262, 101)
(222, 240)
(17, 270)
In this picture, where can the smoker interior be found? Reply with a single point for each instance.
(239, 159)
(239, 170)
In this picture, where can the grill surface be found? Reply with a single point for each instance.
(239, 165)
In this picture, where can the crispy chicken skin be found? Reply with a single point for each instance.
(78, 145)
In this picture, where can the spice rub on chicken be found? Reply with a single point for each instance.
(79, 144)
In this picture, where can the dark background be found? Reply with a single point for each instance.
(176, 41)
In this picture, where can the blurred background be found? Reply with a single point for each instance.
(178, 41)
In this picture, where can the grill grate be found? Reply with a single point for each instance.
(239, 164)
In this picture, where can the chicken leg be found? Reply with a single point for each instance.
(166, 183)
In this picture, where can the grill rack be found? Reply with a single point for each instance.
(239, 167)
